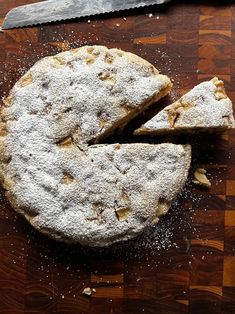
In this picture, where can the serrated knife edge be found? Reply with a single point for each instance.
(42, 12)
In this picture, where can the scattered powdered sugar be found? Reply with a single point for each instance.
(155, 251)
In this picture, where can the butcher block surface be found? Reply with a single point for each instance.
(186, 264)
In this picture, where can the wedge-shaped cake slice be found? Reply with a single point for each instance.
(205, 108)
(66, 186)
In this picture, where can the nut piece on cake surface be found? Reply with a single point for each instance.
(200, 178)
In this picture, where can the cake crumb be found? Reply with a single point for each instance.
(87, 291)
(200, 178)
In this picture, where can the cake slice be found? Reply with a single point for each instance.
(205, 108)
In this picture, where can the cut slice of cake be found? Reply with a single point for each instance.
(205, 108)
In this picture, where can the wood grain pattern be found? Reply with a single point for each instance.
(187, 265)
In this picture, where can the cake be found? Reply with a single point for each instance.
(54, 167)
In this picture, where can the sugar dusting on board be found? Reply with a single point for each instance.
(58, 261)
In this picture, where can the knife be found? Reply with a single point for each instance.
(58, 10)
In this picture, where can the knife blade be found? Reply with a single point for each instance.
(58, 10)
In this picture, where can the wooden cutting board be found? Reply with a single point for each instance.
(187, 263)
